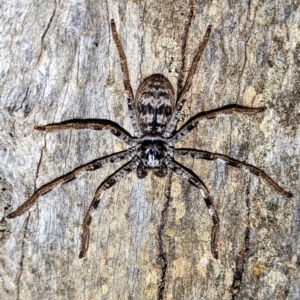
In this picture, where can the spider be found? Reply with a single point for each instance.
(154, 113)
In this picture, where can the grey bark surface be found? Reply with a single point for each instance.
(150, 239)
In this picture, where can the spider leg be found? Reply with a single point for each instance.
(181, 96)
(91, 166)
(126, 79)
(95, 124)
(206, 115)
(105, 185)
(196, 181)
(231, 162)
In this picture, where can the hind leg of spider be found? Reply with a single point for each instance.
(91, 166)
(105, 185)
(196, 181)
(94, 124)
(207, 115)
(126, 79)
(234, 163)
(181, 96)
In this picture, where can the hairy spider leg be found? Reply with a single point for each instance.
(181, 95)
(94, 124)
(206, 115)
(199, 154)
(192, 178)
(126, 79)
(90, 166)
(105, 185)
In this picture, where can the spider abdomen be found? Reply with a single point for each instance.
(154, 104)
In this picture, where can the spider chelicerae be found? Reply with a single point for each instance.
(154, 114)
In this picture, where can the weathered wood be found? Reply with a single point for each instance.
(150, 239)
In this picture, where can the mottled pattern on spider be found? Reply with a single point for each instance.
(154, 114)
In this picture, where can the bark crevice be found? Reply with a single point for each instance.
(183, 51)
(44, 34)
(242, 256)
(162, 256)
(21, 263)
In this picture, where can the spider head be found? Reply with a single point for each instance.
(152, 152)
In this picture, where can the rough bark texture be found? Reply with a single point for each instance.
(150, 238)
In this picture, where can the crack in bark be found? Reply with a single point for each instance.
(162, 256)
(24, 99)
(39, 164)
(44, 34)
(142, 40)
(246, 56)
(22, 258)
(183, 50)
(241, 257)
(18, 279)
(4, 231)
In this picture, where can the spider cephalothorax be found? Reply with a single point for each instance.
(152, 151)
(154, 114)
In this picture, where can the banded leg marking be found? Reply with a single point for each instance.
(91, 166)
(206, 115)
(181, 97)
(233, 163)
(196, 181)
(126, 79)
(94, 124)
(105, 185)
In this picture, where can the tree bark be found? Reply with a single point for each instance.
(150, 239)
